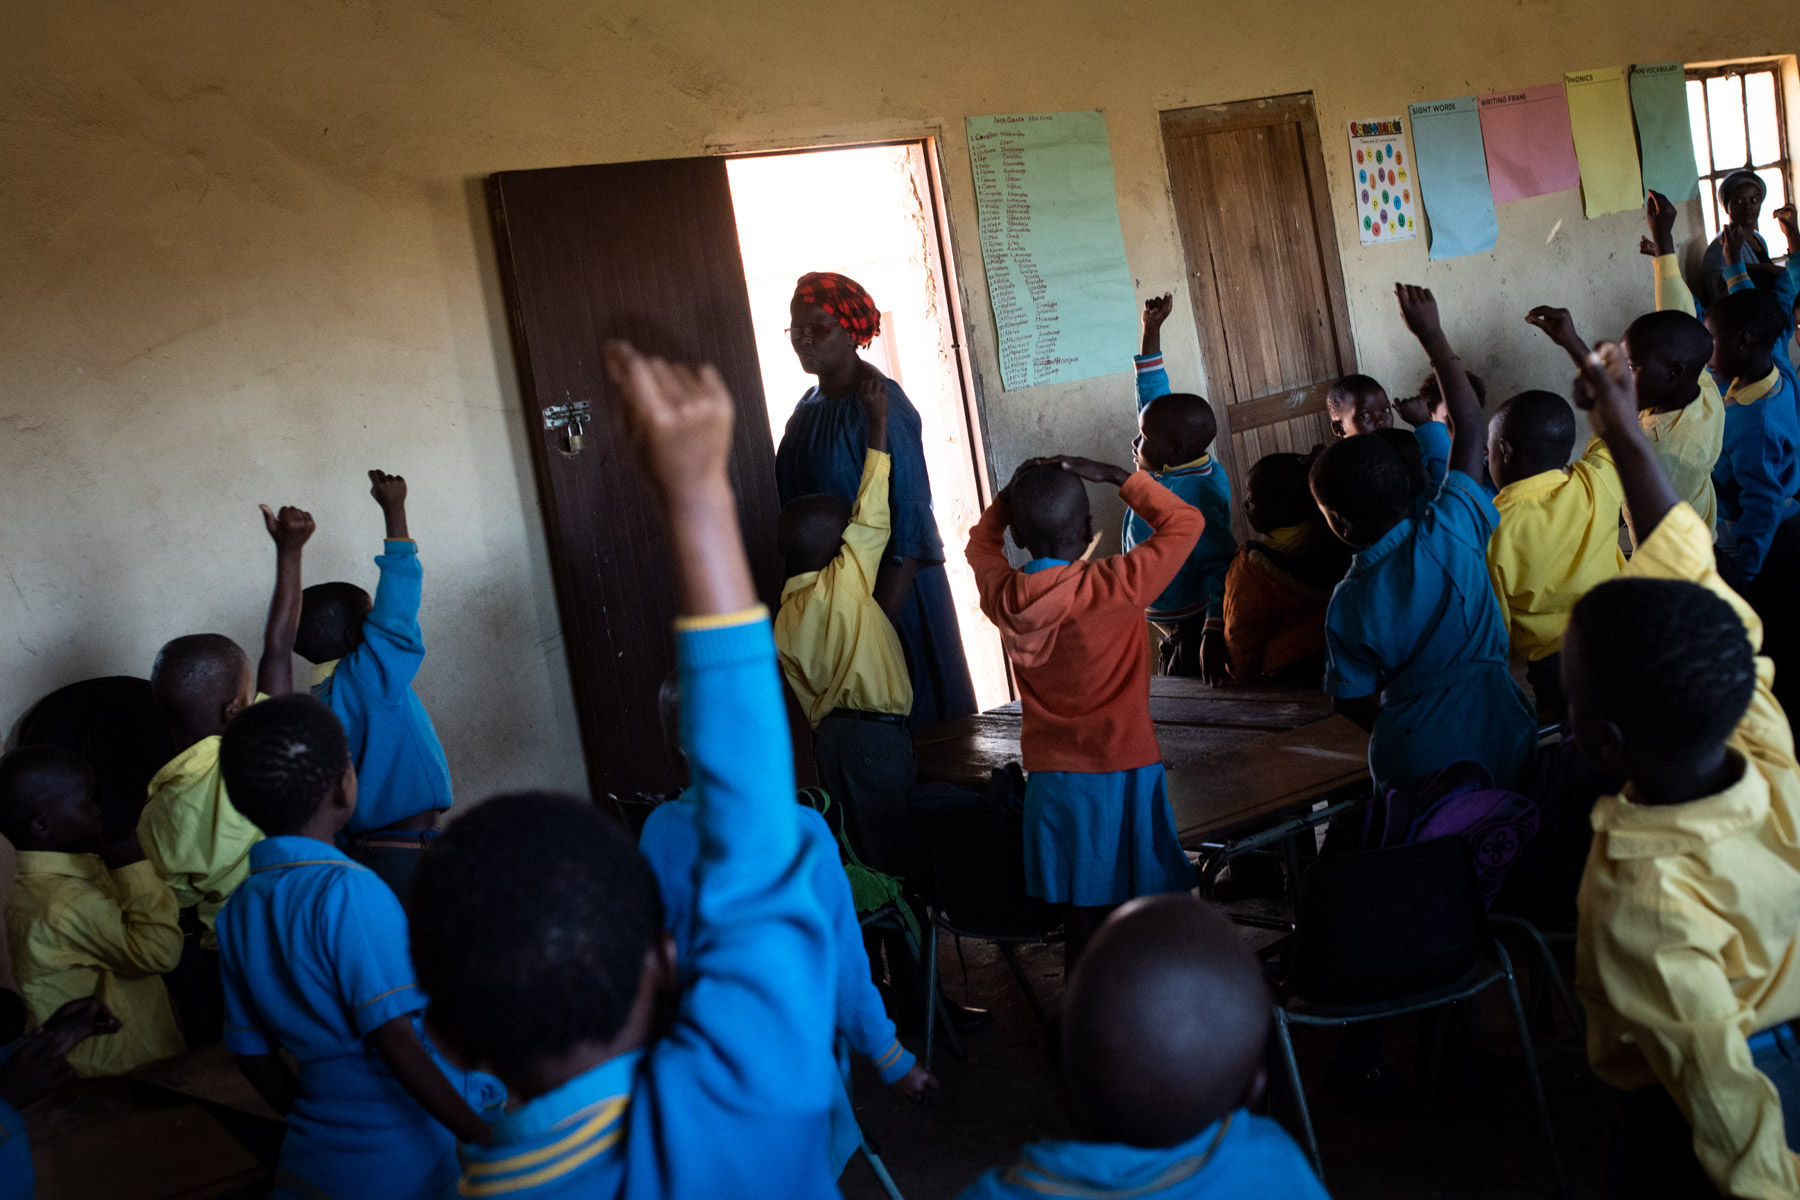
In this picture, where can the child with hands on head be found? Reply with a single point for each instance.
(1176, 431)
(1098, 827)
(538, 929)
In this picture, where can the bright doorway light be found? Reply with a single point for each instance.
(867, 212)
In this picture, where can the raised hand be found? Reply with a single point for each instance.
(1158, 308)
(1659, 214)
(1418, 308)
(1731, 240)
(1414, 410)
(289, 528)
(387, 489)
(1790, 226)
(1605, 391)
(873, 394)
(678, 416)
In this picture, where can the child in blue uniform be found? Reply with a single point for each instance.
(366, 656)
(1175, 434)
(32, 1065)
(1158, 1103)
(670, 843)
(538, 929)
(1416, 648)
(313, 951)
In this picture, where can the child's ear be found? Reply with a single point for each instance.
(232, 708)
(346, 788)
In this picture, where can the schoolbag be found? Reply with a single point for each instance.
(1458, 801)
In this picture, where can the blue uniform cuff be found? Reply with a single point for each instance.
(1148, 362)
(727, 645)
(379, 1009)
(399, 546)
(894, 1064)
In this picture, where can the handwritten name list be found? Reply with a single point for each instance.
(1064, 307)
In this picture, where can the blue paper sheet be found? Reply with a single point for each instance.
(1665, 139)
(1064, 305)
(1453, 178)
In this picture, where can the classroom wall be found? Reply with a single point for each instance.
(244, 256)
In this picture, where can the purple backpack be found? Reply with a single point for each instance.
(1458, 801)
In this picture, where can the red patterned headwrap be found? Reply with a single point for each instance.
(844, 301)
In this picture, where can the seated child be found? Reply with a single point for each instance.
(365, 656)
(1175, 433)
(538, 931)
(1358, 404)
(313, 951)
(670, 843)
(1159, 1105)
(197, 842)
(1558, 534)
(86, 919)
(1679, 405)
(1687, 938)
(842, 657)
(1098, 828)
(1277, 589)
(1415, 643)
(30, 1068)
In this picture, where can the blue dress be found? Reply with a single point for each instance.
(822, 452)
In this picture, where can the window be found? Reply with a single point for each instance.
(1739, 121)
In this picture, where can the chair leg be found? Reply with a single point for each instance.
(1012, 960)
(1531, 1071)
(931, 998)
(873, 1157)
(1293, 1074)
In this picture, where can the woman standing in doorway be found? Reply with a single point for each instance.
(822, 451)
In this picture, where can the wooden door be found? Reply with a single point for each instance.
(646, 251)
(1267, 288)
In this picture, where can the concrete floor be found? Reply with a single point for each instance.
(1473, 1142)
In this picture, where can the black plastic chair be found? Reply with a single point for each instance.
(1389, 932)
(976, 889)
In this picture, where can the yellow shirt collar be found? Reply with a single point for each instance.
(57, 862)
(323, 671)
(1202, 461)
(1657, 830)
(1288, 538)
(1745, 394)
(1531, 485)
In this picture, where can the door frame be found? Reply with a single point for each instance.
(1241, 415)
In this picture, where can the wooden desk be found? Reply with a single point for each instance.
(1237, 757)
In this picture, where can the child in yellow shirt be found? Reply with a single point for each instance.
(196, 841)
(1687, 950)
(86, 919)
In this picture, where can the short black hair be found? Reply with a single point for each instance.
(1681, 336)
(31, 775)
(1192, 425)
(197, 673)
(1430, 389)
(1665, 660)
(1049, 508)
(1754, 313)
(1348, 387)
(810, 532)
(1412, 456)
(1362, 479)
(331, 618)
(1278, 483)
(280, 760)
(531, 917)
(1539, 426)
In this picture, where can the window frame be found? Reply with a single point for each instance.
(1710, 177)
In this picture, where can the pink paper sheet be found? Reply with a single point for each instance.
(1530, 150)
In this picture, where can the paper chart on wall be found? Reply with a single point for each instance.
(1453, 177)
(1605, 141)
(1659, 103)
(1385, 207)
(1064, 305)
(1530, 151)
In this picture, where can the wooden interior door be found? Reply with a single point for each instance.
(1262, 256)
(646, 251)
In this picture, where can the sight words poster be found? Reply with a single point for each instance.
(1385, 188)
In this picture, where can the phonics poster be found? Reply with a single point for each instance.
(1386, 186)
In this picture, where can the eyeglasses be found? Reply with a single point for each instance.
(816, 332)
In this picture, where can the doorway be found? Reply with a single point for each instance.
(870, 212)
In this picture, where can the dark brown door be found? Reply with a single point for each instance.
(1264, 275)
(646, 251)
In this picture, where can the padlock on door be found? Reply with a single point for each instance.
(573, 437)
(572, 419)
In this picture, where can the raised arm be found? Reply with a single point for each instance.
(1418, 308)
(871, 517)
(1152, 565)
(1604, 391)
(1152, 376)
(289, 529)
(393, 646)
(1559, 327)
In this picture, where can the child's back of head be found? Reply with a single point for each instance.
(1163, 1024)
(201, 681)
(1174, 429)
(1655, 669)
(1412, 456)
(1050, 514)
(1531, 433)
(532, 919)
(282, 760)
(47, 800)
(810, 532)
(331, 621)
(1361, 486)
(1276, 495)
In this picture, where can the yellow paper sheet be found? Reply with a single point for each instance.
(1605, 140)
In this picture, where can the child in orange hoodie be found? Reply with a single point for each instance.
(1098, 827)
